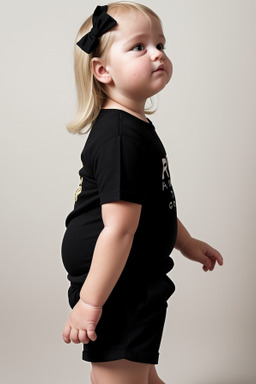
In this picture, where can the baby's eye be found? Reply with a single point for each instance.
(138, 47)
(160, 47)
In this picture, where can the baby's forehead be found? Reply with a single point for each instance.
(131, 20)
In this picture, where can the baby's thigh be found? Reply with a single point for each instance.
(120, 372)
(153, 377)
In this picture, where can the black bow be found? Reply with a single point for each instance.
(101, 23)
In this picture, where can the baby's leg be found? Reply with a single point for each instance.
(153, 377)
(120, 372)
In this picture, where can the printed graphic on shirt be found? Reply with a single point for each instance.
(166, 182)
(79, 189)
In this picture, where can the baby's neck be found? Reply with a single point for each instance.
(112, 104)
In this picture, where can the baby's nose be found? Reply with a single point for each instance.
(157, 54)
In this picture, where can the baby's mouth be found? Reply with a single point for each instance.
(160, 68)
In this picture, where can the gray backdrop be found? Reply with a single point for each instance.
(206, 118)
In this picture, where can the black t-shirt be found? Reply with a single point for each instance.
(123, 159)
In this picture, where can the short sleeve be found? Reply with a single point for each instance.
(120, 170)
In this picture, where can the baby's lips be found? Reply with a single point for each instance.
(160, 68)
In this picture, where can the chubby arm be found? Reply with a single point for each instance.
(110, 255)
(112, 250)
(197, 250)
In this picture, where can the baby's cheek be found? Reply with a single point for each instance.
(170, 67)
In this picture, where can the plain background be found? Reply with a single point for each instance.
(206, 119)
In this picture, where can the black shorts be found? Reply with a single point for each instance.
(132, 322)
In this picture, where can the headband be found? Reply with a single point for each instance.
(101, 23)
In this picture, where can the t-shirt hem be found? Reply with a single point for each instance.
(131, 197)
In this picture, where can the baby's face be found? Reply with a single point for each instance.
(136, 60)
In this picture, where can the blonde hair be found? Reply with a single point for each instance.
(90, 92)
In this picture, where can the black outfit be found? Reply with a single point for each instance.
(124, 159)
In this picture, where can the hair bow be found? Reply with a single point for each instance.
(101, 23)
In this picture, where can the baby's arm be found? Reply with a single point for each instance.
(197, 250)
(110, 255)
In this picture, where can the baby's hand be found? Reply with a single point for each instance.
(80, 327)
(197, 250)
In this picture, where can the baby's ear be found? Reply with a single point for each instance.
(100, 71)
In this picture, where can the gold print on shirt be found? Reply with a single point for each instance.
(79, 189)
(166, 182)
